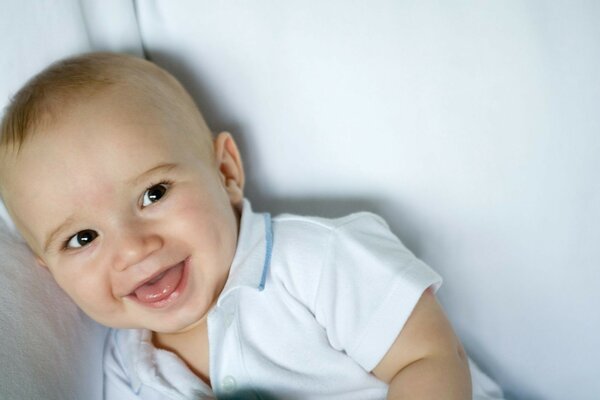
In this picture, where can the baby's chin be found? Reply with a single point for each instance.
(181, 325)
(161, 324)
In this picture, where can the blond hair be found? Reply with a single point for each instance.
(79, 78)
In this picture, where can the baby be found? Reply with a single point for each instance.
(113, 178)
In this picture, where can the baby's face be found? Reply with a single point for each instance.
(132, 221)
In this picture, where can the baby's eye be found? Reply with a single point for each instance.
(153, 194)
(82, 238)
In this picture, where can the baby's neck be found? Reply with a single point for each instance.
(191, 346)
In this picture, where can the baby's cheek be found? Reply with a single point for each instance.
(193, 208)
(86, 290)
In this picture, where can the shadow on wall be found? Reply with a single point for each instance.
(219, 120)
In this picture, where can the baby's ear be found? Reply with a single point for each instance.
(229, 163)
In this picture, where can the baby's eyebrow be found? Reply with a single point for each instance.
(165, 167)
(52, 236)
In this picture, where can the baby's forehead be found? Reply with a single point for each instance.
(138, 89)
(115, 116)
(123, 103)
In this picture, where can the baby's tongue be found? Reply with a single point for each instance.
(160, 287)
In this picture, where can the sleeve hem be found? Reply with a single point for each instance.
(387, 323)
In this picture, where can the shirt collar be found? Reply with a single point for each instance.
(248, 269)
(253, 252)
(158, 368)
(132, 345)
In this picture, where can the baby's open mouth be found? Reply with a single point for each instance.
(162, 288)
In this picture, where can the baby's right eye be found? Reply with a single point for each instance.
(81, 238)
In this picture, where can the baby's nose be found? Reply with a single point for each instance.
(134, 245)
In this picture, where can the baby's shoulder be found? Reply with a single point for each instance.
(312, 225)
(311, 242)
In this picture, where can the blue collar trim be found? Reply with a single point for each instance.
(268, 250)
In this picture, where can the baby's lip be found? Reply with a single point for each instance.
(149, 278)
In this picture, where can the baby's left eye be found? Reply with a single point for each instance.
(154, 193)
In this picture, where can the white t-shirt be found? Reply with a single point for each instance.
(311, 305)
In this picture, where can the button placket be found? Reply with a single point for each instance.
(230, 375)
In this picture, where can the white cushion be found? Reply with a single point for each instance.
(48, 348)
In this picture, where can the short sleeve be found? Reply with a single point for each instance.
(369, 285)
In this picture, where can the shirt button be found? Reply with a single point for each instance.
(228, 384)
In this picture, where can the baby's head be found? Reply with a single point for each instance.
(116, 183)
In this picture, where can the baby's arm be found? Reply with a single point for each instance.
(427, 361)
